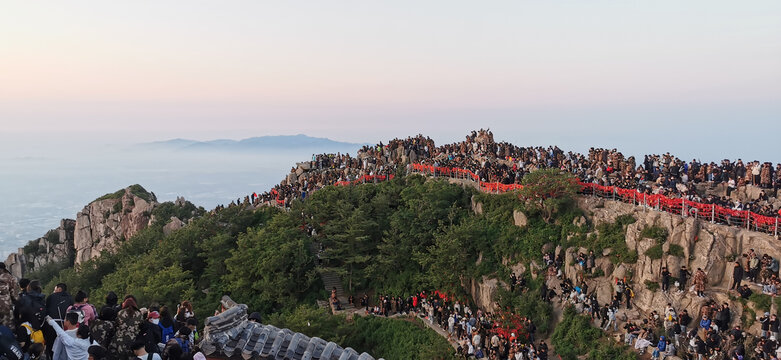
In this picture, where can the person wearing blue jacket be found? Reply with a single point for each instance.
(705, 322)
(661, 347)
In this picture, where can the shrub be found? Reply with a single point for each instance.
(761, 301)
(33, 248)
(748, 317)
(676, 250)
(382, 337)
(625, 219)
(117, 207)
(597, 272)
(116, 195)
(574, 336)
(610, 350)
(651, 285)
(657, 233)
(655, 252)
(613, 236)
(52, 236)
(139, 191)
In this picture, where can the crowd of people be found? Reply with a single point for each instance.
(477, 334)
(713, 332)
(506, 163)
(62, 326)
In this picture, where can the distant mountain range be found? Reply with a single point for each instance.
(299, 141)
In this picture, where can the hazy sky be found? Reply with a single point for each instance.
(698, 77)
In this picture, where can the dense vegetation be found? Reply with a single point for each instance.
(574, 336)
(396, 237)
(392, 338)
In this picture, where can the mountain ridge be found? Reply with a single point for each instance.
(258, 142)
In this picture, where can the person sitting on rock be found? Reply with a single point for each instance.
(745, 292)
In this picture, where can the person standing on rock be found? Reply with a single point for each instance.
(629, 294)
(737, 276)
(665, 279)
(683, 278)
(620, 287)
(699, 282)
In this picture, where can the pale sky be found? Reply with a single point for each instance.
(693, 76)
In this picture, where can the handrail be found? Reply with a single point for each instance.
(714, 213)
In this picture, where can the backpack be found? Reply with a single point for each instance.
(35, 336)
(39, 310)
(167, 332)
(184, 344)
(78, 309)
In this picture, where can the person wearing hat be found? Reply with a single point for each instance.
(151, 333)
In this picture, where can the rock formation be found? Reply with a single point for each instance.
(705, 245)
(54, 247)
(110, 220)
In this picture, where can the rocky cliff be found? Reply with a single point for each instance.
(697, 243)
(110, 220)
(102, 225)
(704, 245)
(54, 247)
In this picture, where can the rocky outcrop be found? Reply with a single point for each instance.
(519, 218)
(477, 206)
(54, 247)
(705, 245)
(173, 225)
(483, 292)
(108, 221)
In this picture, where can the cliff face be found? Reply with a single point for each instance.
(110, 220)
(101, 225)
(705, 245)
(54, 247)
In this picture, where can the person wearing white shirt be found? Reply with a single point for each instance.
(73, 343)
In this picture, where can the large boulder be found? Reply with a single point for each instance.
(520, 219)
(173, 225)
(483, 292)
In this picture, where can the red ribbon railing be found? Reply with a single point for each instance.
(365, 179)
(716, 214)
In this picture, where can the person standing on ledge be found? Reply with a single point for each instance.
(737, 276)
(699, 282)
(683, 278)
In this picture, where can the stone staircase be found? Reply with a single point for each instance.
(331, 280)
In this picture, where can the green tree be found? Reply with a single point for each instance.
(549, 190)
(351, 245)
(271, 268)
